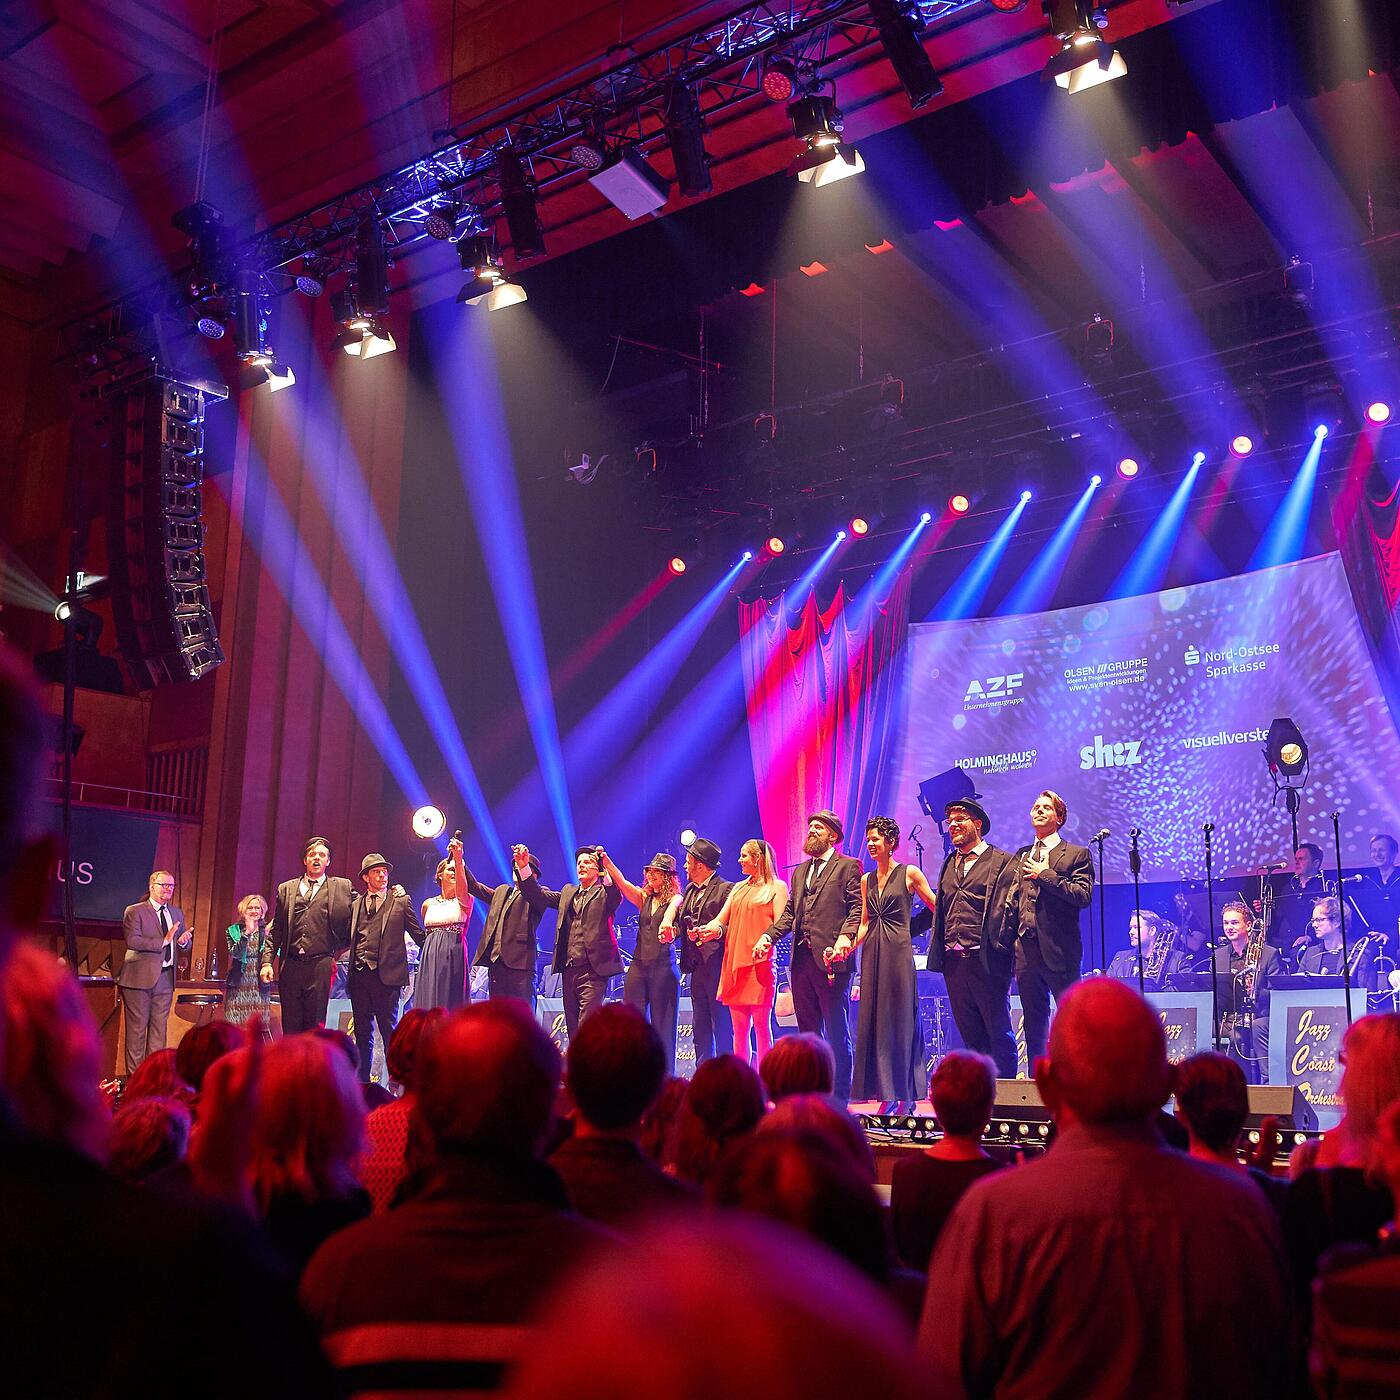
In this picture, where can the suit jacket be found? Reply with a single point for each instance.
(518, 927)
(335, 888)
(599, 937)
(829, 910)
(700, 907)
(145, 944)
(998, 930)
(398, 917)
(1058, 894)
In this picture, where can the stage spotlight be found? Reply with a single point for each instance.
(588, 152)
(959, 504)
(775, 545)
(629, 183)
(210, 327)
(441, 222)
(520, 206)
(747, 555)
(1241, 445)
(1378, 412)
(687, 836)
(901, 27)
(818, 121)
(1321, 431)
(1286, 752)
(371, 268)
(925, 517)
(1324, 406)
(840, 535)
(1026, 495)
(1128, 468)
(676, 565)
(1096, 480)
(1098, 341)
(685, 134)
(279, 377)
(860, 526)
(429, 823)
(311, 280)
(779, 81)
(1084, 60)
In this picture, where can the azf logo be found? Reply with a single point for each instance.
(994, 687)
(1124, 754)
(1193, 657)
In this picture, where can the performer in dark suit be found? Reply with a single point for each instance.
(702, 958)
(379, 922)
(823, 916)
(1324, 958)
(310, 927)
(508, 946)
(151, 928)
(1159, 965)
(585, 943)
(1054, 881)
(971, 936)
(1246, 967)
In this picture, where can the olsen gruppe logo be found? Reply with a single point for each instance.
(1113, 753)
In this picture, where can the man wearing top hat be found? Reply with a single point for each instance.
(380, 919)
(310, 928)
(702, 956)
(651, 984)
(823, 916)
(585, 942)
(973, 933)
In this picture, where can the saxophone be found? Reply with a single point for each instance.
(1156, 960)
(1254, 955)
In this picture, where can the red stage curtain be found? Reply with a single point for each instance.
(822, 694)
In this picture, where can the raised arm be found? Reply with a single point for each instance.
(620, 881)
(536, 895)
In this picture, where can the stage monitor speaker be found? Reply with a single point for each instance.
(155, 530)
(1286, 1102)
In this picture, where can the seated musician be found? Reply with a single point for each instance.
(1246, 967)
(1161, 960)
(1324, 957)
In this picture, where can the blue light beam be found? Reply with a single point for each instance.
(1144, 572)
(1287, 534)
(966, 595)
(1037, 586)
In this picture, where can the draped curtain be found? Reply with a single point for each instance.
(821, 690)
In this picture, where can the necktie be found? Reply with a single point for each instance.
(1039, 852)
(168, 955)
(374, 905)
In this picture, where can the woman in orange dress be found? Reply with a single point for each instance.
(746, 977)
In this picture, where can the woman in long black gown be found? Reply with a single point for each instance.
(890, 1063)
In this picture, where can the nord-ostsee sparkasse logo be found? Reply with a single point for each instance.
(1110, 753)
(992, 692)
(1240, 658)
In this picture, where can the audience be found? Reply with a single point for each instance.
(798, 1064)
(385, 1164)
(157, 1077)
(201, 1046)
(721, 1309)
(724, 1103)
(617, 1064)
(149, 1135)
(926, 1185)
(308, 1132)
(821, 1114)
(441, 1293)
(1114, 1265)
(657, 1138)
(1356, 1300)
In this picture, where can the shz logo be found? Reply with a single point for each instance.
(1100, 755)
(996, 687)
(1193, 657)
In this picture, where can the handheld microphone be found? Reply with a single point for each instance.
(456, 835)
(1101, 835)
(1135, 832)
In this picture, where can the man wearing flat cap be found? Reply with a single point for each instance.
(702, 956)
(380, 920)
(310, 928)
(651, 984)
(585, 942)
(973, 929)
(823, 916)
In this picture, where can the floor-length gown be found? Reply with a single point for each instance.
(890, 1061)
(442, 967)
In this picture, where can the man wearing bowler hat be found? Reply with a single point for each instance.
(701, 958)
(310, 928)
(380, 920)
(973, 933)
(823, 915)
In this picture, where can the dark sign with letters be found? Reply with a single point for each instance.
(1305, 1039)
(112, 856)
(1185, 1018)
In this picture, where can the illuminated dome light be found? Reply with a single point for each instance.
(860, 526)
(1378, 412)
(1025, 496)
(1096, 480)
(687, 836)
(1128, 468)
(775, 545)
(429, 823)
(1241, 445)
(959, 504)
(1321, 431)
(676, 565)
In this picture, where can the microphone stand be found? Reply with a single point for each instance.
(1135, 861)
(917, 845)
(1342, 911)
(1210, 941)
(1103, 917)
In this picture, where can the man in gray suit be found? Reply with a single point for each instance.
(152, 930)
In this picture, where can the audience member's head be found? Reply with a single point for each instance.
(157, 1077)
(401, 1058)
(1108, 1057)
(486, 1081)
(962, 1091)
(808, 1180)
(343, 1042)
(50, 1054)
(616, 1067)
(822, 1115)
(309, 1123)
(201, 1046)
(1212, 1099)
(658, 1135)
(616, 1332)
(798, 1064)
(725, 1102)
(1370, 1078)
(1385, 1155)
(24, 852)
(148, 1135)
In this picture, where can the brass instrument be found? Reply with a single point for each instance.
(1162, 945)
(1254, 949)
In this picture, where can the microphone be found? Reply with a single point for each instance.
(1208, 828)
(1101, 835)
(1353, 879)
(456, 835)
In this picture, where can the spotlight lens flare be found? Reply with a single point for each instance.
(1241, 445)
(687, 836)
(1128, 468)
(676, 565)
(1096, 480)
(1320, 431)
(860, 526)
(748, 554)
(1025, 495)
(840, 535)
(959, 504)
(429, 823)
(775, 545)
(1198, 459)
(1378, 412)
(925, 518)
